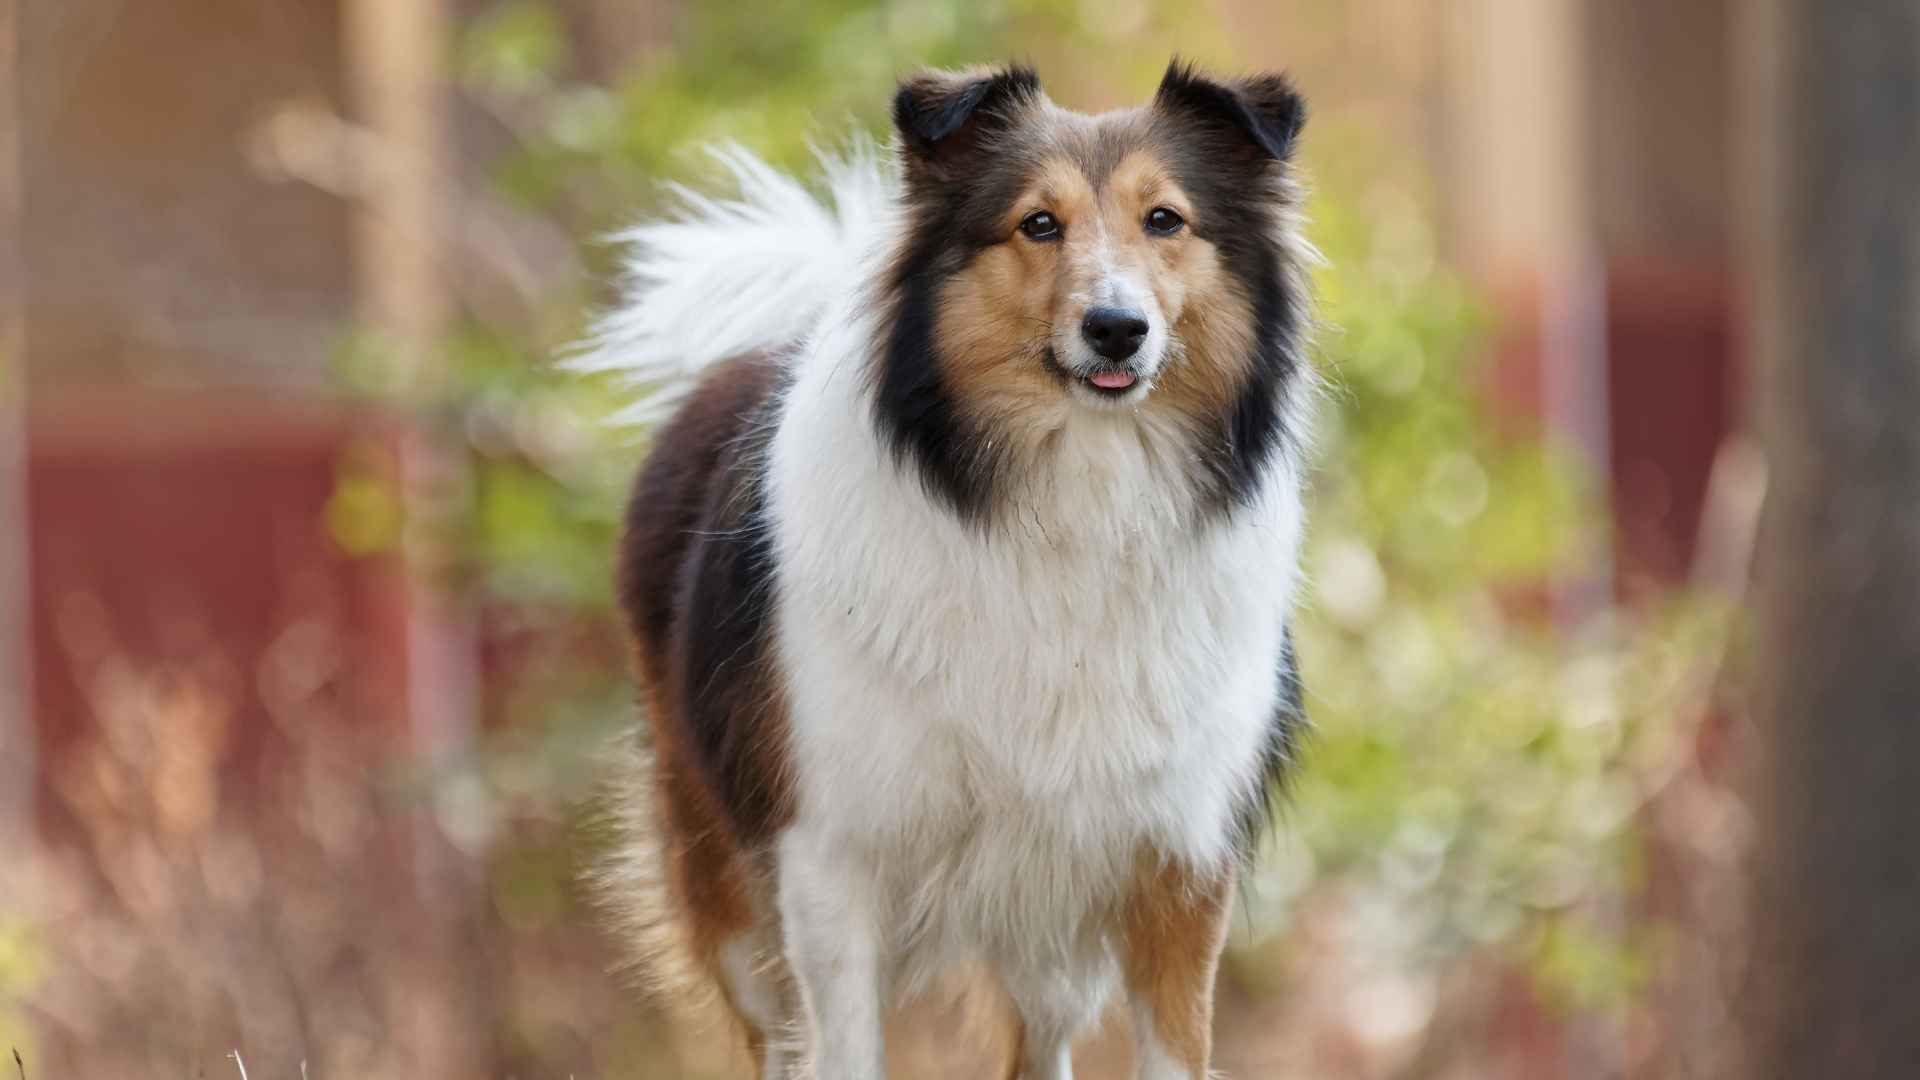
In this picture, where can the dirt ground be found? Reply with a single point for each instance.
(966, 1038)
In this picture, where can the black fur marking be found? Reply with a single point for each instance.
(1255, 427)
(916, 411)
(953, 213)
(697, 581)
(1284, 734)
(1264, 108)
(932, 110)
(1228, 144)
(726, 662)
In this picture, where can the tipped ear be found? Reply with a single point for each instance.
(1264, 109)
(941, 114)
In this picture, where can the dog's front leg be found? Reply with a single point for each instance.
(1176, 924)
(829, 919)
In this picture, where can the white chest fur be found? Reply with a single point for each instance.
(999, 720)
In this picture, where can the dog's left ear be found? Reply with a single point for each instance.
(1264, 111)
(944, 116)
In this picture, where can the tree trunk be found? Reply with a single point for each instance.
(1832, 984)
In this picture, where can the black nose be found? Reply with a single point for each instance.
(1114, 333)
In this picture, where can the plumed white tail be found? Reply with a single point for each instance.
(728, 276)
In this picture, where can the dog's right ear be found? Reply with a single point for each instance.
(943, 116)
(1260, 115)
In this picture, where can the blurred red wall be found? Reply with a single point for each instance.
(180, 547)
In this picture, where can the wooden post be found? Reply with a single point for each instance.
(396, 76)
(1832, 984)
(17, 735)
(1519, 172)
(395, 52)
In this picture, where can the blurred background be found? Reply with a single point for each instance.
(306, 639)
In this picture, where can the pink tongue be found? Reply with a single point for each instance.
(1112, 380)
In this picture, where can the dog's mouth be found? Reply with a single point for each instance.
(1105, 382)
(1112, 382)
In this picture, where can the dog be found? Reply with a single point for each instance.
(960, 577)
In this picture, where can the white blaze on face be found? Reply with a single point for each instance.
(1105, 278)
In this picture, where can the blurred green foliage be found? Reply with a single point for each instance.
(778, 77)
(1482, 746)
(1480, 752)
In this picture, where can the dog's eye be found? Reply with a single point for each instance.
(1040, 225)
(1165, 221)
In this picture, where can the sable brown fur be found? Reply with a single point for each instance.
(711, 775)
(1174, 924)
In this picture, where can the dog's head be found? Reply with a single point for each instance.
(1137, 260)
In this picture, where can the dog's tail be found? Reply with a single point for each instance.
(722, 277)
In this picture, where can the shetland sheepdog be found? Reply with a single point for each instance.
(960, 576)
